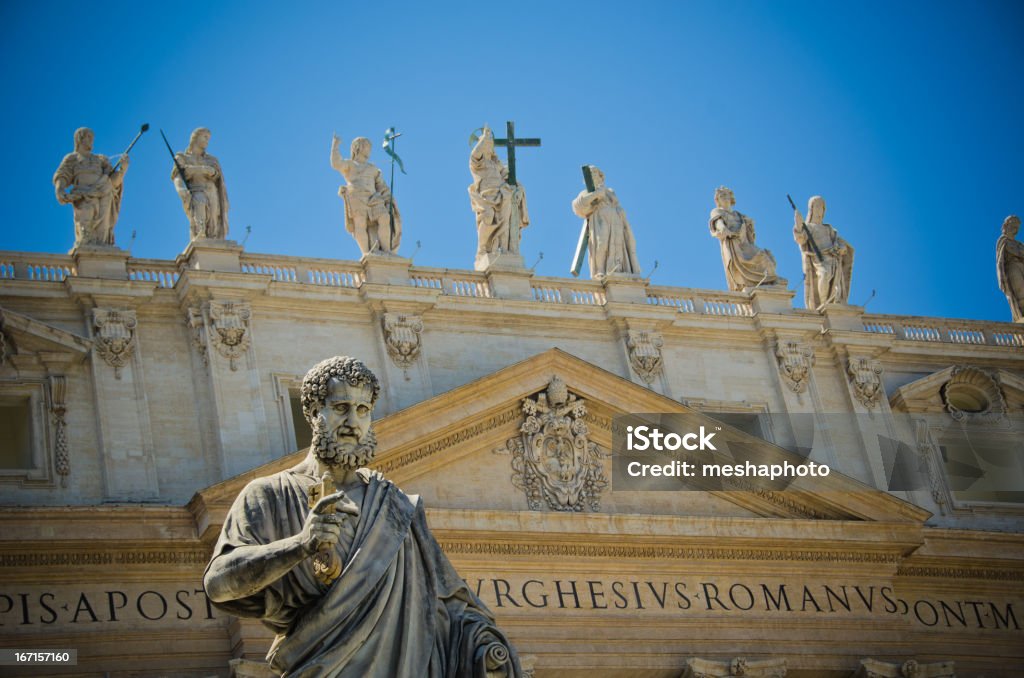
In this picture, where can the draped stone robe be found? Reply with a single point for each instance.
(399, 608)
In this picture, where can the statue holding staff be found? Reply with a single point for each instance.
(200, 184)
(498, 201)
(371, 215)
(827, 258)
(93, 187)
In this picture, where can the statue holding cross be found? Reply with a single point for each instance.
(497, 198)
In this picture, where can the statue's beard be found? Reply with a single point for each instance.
(333, 452)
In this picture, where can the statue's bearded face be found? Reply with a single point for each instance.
(341, 431)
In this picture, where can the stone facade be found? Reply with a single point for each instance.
(156, 389)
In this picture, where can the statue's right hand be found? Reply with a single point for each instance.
(321, 529)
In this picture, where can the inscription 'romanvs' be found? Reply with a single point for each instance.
(706, 597)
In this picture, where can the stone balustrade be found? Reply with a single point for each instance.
(45, 268)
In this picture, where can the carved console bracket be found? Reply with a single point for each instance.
(553, 460)
(866, 378)
(795, 361)
(645, 353)
(229, 329)
(197, 326)
(402, 337)
(114, 331)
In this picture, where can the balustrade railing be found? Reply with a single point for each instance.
(336, 273)
(935, 330)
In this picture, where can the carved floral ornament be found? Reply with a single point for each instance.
(874, 668)
(230, 335)
(866, 378)
(553, 460)
(795, 362)
(59, 409)
(645, 353)
(402, 337)
(114, 334)
(973, 395)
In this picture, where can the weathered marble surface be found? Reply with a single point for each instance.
(368, 200)
(1010, 267)
(746, 264)
(612, 245)
(827, 258)
(204, 196)
(340, 563)
(89, 183)
(500, 207)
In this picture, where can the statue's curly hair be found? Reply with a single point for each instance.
(314, 385)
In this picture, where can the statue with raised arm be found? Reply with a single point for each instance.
(340, 563)
(203, 194)
(93, 187)
(746, 264)
(500, 206)
(368, 203)
(1010, 267)
(612, 246)
(827, 258)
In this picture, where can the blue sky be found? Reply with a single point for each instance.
(905, 116)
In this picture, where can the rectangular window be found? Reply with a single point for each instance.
(303, 434)
(15, 432)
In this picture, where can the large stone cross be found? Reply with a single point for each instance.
(510, 143)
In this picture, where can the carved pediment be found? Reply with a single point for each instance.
(28, 343)
(453, 449)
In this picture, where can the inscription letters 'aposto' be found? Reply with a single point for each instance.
(340, 563)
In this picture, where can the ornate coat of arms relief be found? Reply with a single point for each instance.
(114, 336)
(795, 362)
(866, 378)
(402, 338)
(645, 353)
(553, 461)
(230, 324)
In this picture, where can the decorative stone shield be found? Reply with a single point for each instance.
(230, 336)
(795, 361)
(866, 378)
(114, 336)
(402, 338)
(553, 461)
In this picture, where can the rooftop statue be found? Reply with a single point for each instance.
(610, 239)
(340, 563)
(93, 187)
(498, 201)
(200, 185)
(368, 201)
(1010, 267)
(746, 264)
(827, 258)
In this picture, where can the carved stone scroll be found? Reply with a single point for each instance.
(873, 668)
(229, 321)
(795, 362)
(866, 377)
(645, 354)
(553, 461)
(58, 409)
(115, 336)
(402, 338)
(748, 668)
